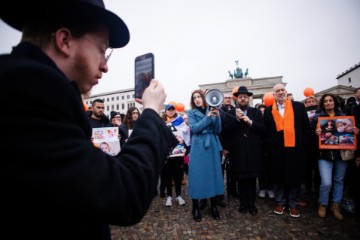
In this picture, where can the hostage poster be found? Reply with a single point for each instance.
(107, 139)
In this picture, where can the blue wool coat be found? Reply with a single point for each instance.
(205, 175)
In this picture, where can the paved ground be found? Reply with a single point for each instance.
(176, 222)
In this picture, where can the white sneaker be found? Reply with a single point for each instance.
(270, 193)
(262, 193)
(168, 201)
(180, 200)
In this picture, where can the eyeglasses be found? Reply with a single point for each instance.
(108, 53)
(227, 97)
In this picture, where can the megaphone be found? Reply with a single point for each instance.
(214, 98)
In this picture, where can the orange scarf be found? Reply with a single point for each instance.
(285, 123)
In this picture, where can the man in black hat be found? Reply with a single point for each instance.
(58, 185)
(242, 144)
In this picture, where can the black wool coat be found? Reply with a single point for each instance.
(286, 164)
(55, 183)
(244, 144)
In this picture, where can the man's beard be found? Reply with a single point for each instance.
(243, 107)
(98, 115)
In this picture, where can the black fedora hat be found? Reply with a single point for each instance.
(243, 90)
(69, 10)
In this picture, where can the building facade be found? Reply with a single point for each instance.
(347, 82)
(122, 100)
(119, 101)
(350, 77)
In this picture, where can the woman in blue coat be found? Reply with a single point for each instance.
(205, 175)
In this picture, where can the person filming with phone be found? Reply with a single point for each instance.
(58, 185)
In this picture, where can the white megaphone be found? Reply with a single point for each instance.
(214, 98)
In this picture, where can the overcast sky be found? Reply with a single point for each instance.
(308, 42)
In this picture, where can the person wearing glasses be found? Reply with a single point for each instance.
(225, 109)
(116, 120)
(287, 135)
(74, 189)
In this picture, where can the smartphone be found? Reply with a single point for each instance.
(144, 72)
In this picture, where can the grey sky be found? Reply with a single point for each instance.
(308, 42)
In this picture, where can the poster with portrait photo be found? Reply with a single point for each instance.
(337, 132)
(107, 139)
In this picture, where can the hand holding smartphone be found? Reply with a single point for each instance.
(144, 73)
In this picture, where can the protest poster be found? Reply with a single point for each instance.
(337, 132)
(107, 139)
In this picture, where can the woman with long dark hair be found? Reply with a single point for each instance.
(205, 175)
(131, 116)
(332, 167)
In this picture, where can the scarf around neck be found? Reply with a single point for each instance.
(285, 123)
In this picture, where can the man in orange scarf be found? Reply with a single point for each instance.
(288, 133)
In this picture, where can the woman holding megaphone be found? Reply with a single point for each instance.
(205, 174)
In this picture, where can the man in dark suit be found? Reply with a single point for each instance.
(288, 132)
(242, 143)
(57, 185)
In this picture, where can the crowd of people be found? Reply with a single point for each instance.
(271, 150)
(60, 184)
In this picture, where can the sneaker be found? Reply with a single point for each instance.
(294, 212)
(270, 193)
(262, 193)
(279, 209)
(180, 200)
(168, 201)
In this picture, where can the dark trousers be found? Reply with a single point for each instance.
(356, 187)
(312, 175)
(163, 180)
(174, 171)
(350, 183)
(247, 191)
(264, 179)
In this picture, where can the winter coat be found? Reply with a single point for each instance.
(205, 174)
(286, 164)
(57, 183)
(245, 144)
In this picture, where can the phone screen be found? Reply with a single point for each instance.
(144, 72)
